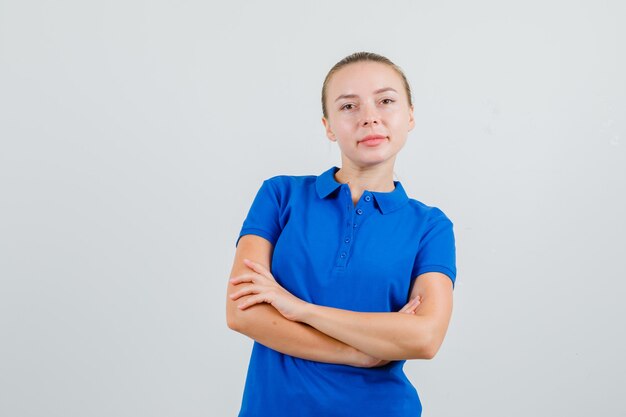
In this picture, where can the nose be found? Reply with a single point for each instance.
(370, 116)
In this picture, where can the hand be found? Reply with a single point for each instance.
(411, 306)
(264, 289)
(367, 361)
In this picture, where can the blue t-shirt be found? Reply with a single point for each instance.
(364, 258)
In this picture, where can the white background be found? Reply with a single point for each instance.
(135, 134)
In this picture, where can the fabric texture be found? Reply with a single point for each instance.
(362, 257)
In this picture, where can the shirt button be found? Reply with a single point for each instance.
(359, 211)
(347, 240)
(343, 254)
(368, 198)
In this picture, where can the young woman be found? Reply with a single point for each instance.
(341, 277)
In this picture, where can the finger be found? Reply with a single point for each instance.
(410, 310)
(248, 289)
(411, 305)
(259, 268)
(415, 302)
(243, 278)
(253, 265)
(405, 308)
(255, 299)
(414, 306)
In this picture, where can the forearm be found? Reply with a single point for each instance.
(385, 336)
(390, 336)
(266, 325)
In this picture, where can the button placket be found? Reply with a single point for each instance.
(355, 217)
(346, 240)
(354, 213)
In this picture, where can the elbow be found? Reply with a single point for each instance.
(429, 343)
(232, 322)
(242, 321)
(429, 351)
(426, 349)
(235, 320)
(432, 345)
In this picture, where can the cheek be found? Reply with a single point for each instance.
(344, 124)
(399, 119)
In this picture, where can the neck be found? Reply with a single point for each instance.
(377, 178)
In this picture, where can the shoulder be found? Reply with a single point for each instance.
(290, 182)
(431, 214)
(284, 181)
(288, 186)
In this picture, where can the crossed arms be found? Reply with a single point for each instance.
(259, 308)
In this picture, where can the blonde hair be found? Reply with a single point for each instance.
(363, 57)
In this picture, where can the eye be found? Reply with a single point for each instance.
(345, 106)
(388, 100)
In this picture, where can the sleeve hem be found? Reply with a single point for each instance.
(259, 232)
(437, 268)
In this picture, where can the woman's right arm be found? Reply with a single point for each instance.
(267, 326)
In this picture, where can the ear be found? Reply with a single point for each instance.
(329, 132)
(411, 118)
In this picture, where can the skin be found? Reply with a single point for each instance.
(357, 107)
(351, 118)
(263, 323)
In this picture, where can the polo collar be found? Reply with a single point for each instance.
(387, 202)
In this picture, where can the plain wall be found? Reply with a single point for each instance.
(135, 134)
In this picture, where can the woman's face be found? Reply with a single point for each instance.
(364, 99)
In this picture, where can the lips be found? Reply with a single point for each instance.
(372, 137)
(372, 140)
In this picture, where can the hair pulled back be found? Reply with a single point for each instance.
(362, 57)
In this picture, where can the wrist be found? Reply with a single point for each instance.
(306, 312)
(363, 360)
(357, 358)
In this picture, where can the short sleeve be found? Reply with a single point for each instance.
(263, 216)
(437, 251)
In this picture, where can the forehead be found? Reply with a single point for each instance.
(364, 78)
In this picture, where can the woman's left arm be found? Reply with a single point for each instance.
(388, 336)
(392, 336)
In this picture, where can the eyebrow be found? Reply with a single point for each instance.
(380, 90)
